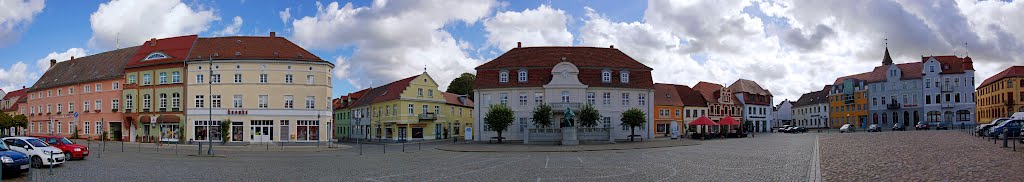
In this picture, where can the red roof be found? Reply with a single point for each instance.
(703, 120)
(391, 91)
(176, 48)
(908, 70)
(250, 47)
(666, 95)
(748, 86)
(1013, 71)
(456, 99)
(952, 64)
(710, 91)
(103, 66)
(336, 103)
(728, 120)
(17, 93)
(539, 61)
(690, 96)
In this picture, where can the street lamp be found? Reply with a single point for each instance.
(209, 150)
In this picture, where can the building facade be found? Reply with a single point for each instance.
(564, 78)
(949, 85)
(720, 101)
(342, 120)
(812, 109)
(10, 101)
(89, 87)
(848, 101)
(756, 104)
(408, 109)
(270, 89)
(459, 116)
(668, 106)
(999, 96)
(154, 91)
(782, 113)
(896, 93)
(694, 105)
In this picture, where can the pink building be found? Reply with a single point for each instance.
(88, 86)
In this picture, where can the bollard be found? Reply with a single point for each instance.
(403, 147)
(360, 147)
(176, 148)
(419, 146)
(52, 160)
(122, 145)
(198, 152)
(384, 147)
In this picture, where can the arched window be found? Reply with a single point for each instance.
(156, 55)
(906, 116)
(884, 117)
(895, 118)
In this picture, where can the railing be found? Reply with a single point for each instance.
(560, 106)
(892, 106)
(947, 88)
(428, 116)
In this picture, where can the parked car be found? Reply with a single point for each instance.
(800, 129)
(898, 127)
(14, 163)
(40, 153)
(921, 126)
(874, 128)
(71, 149)
(942, 126)
(847, 128)
(783, 128)
(1012, 129)
(983, 130)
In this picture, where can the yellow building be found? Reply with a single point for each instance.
(848, 102)
(1001, 95)
(411, 109)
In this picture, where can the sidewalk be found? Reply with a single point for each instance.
(251, 147)
(519, 147)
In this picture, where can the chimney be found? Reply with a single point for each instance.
(273, 34)
(612, 46)
(53, 62)
(72, 58)
(519, 44)
(152, 41)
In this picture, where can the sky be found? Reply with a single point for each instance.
(789, 47)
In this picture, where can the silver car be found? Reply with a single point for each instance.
(847, 128)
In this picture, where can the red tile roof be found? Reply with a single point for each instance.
(666, 95)
(250, 47)
(456, 99)
(710, 91)
(391, 91)
(96, 67)
(177, 48)
(539, 61)
(336, 103)
(1013, 71)
(17, 93)
(748, 86)
(952, 64)
(815, 97)
(878, 74)
(690, 96)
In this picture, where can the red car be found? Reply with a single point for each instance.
(71, 149)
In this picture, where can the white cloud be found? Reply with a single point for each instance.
(15, 15)
(394, 40)
(285, 15)
(16, 77)
(232, 29)
(135, 21)
(44, 63)
(543, 26)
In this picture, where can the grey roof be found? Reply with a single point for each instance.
(96, 67)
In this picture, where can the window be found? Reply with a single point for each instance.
(625, 99)
(263, 101)
(86, 127)
(71, 90)
(114, 104)
(215, 78)
(607, 98)
(522, 75)
(504, 98)
(238, 78)
(624, 76)
(522, 99)
(310, 102)
(58, 92)
(59, 108)
(565, 96)
(289, 101)
(147, 79)
(85, 89)
(128, 101)
(410, 109)
(146, 101)
(430, 93)
(215, 101)
(114, 86)
(539, 98)
(642, 99)
(71, 107)
(163, 77)
(263, 78)
(606, 76)
(175, 100)
(85, 106)
(591, 98)
(131, 79)
(156, 55)
(237, 101)
(199, 79)
(288, 78)
(163, 101)
(99, 87)
(419, 92)
(503, 77)
(309, 79)
(99, 104)
(424, 109)
(176, 77)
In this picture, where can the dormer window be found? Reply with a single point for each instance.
(522, 75)
(503, 77)
(624, 76)
(156, 55)
(606, 76)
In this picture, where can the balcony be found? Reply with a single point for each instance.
(947, 105)
(946, 88)
(892, 106)
(428, 116)
(560, 106)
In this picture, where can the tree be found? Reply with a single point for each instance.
(633, 118)
(589, 116)
(21, 121)
(6, 121)
(224, 127)
(499, 118)
(463, 85)
(542, 115)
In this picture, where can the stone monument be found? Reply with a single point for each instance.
(569, 128)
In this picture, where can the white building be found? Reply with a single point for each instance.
(756, 103)
(811, 110)
(783, 113)
(563, 77)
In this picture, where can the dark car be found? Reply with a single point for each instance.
(1012, 129)
(14, 163)
(921, 126)
(800, 129)
(874, 128)
(942, 126)
(898, 127)
(983, 130)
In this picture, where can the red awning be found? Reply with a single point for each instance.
(703, 120)
(728, 120)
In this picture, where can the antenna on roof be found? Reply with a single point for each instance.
(117, 40)
(424, 68)
(967, 52)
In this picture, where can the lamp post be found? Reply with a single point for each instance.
(209, 150)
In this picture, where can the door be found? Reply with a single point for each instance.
(16, 145)
(261, 133)
(284, 134)
(437, 131)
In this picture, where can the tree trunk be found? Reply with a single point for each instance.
(499, 137)
(632, 133)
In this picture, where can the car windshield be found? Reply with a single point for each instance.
(66, 141)
(3, 146)
(37, 142)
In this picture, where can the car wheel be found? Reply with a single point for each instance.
(37, 162)
(67, 156)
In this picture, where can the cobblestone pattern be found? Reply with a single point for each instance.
(768, 157)
(917, 156)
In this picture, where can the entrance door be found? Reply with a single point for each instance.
(261, 133)
(437, 131)
(116, 127)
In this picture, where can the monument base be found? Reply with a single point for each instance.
(569, 136)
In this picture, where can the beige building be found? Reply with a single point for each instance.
(270, 89)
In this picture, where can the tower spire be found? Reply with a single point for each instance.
(887, 60)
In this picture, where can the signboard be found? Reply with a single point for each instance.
(675, 130)
(76, 115)
(468, 134)
(152, 119)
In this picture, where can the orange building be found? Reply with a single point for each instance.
(668, 107)
(848, 101)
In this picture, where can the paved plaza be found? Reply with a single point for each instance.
(766, 157)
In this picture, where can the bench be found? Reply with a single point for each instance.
(494, 139)
(636, 136)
